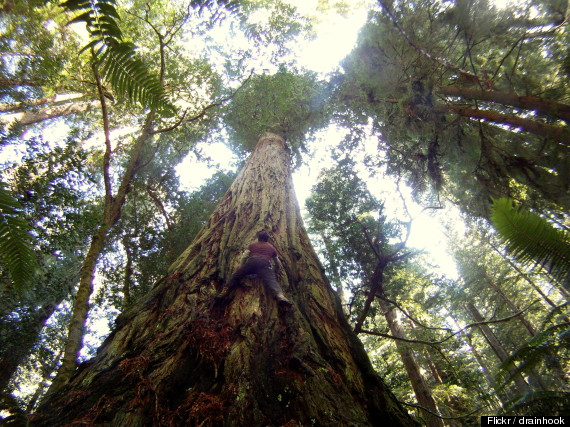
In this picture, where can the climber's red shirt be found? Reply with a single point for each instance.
(262, 249)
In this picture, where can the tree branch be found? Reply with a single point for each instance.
(556, 133)
(159, 205)
(409, 316)
(107, 132)
(369, 240)
(204, 110)
(471, 325)
(534, 103)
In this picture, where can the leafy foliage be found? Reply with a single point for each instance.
(549, 347)
(532, 239)
(397, 77)
(539, 349)
(292, 105)
(119, 65)
(53, 185)
(16, 251)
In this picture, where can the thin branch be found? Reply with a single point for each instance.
(107, 132)
(403, 199)
(381, 334)
(159, 205)
(204, 110)
(174, 126)
(501, 62)
(471, 325)
(375, 285)
(369, 240)
(409, 316)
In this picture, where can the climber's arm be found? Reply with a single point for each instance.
(243, 257)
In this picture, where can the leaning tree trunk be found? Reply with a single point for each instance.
(497, 347)
(429, 409)
(183, 357)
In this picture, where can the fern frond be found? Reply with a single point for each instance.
(534, 351)
(539, 403)
(126, 74)
(532, 239)
(16, 251)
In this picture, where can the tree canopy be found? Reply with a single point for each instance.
(454, 110)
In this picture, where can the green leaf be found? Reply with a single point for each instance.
(127, 75)
(16, 251)
(532, 239)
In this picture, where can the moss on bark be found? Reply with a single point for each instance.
(183, 357)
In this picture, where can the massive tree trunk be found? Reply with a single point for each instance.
(183, 357)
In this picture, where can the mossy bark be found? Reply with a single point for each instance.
(183, 357)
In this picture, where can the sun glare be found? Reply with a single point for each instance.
(335, 37)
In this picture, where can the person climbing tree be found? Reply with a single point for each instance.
(258, 257)
(176, 357)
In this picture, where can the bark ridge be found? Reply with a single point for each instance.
(183, 357)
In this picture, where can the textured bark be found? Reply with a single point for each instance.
(419, 384)
(183, 357)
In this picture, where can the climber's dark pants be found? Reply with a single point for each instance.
(261, 267)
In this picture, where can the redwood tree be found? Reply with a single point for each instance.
(181, 356)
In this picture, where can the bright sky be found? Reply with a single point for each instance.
(336, 36)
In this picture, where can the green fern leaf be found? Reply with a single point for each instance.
(538, 349)
(16, 251)
(532, 239)
(127, 75)
(117, 58)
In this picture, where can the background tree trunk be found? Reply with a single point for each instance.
(417, 379)
(182, 357)
(30, 117)
(12, 356)
(520, 384)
